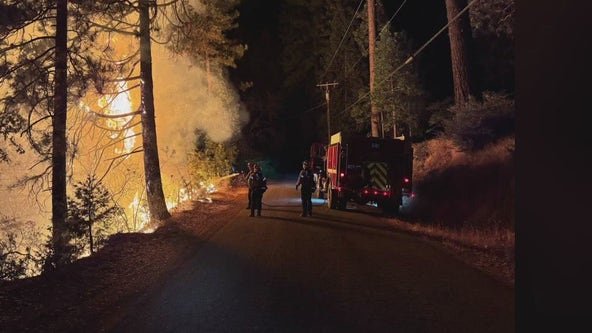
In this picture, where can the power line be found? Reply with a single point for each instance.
(328, 99)
(306, 111)
(412, 57)
(342, 39)
(392, 17)
(381, 30)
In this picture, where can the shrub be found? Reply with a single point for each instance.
(211, 160)
(90, 214)
(479, 123)
(438, 113)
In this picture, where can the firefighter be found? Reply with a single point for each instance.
(257, 186)
(251, 167)
(307, 187)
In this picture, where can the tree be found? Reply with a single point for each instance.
(37, 54)
(492, 24)
(375, 115)
(459, 33)
(59, 142)
(154, 192)
(90, 206)
(177, 24)
(321, 41)
(398, 92)
(203, 36)
(211, 160)
(18, 259)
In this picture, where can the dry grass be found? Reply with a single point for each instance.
(462, 190)
(467, 201)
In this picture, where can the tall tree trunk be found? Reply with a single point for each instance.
(375, 118)
(58, 158)
(154, 192)
(91, 242)
(459, 33)
(90, 234)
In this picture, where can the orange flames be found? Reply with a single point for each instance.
(120, 104)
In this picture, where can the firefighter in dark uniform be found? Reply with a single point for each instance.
(307, 187)
(257, 186)
(247, 175)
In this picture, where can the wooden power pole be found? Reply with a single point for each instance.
(328, 100)
(375, 121)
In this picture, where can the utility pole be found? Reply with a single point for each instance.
(328, 100)
(375, 116)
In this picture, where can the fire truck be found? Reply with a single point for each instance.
(369, 169)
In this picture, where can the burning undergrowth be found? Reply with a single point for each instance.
(101, 285)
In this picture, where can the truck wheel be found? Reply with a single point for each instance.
(390, 208)
(332, 199)
(342, 203)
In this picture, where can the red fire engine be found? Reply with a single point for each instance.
(368, 169)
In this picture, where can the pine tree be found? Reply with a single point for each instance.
(202, 36)
(398, 91)
(43, 66)
(90, 211)
(460, 36)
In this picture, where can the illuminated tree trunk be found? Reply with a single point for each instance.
(58, 158)
(154, 192)
(459, 33)
(91, 242)
(375, 118)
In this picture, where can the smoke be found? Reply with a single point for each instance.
(186, 99)
(185, 103)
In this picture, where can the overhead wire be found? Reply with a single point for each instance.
(412, 57)
(380, 32)
(341, 42)
(336, 51)
(362, 56)
(308, 110)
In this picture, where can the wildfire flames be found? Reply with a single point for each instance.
(120, 104)
(119, 108)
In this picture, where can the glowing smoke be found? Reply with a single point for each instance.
(182, 105)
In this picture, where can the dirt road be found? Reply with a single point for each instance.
(334, 272)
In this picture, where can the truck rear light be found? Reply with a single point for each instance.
(366, 191)
(385, 194)
(342, 175)
(339, 189)
(405, 180)
(375, 192)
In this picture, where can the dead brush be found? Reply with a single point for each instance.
(465, 199)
